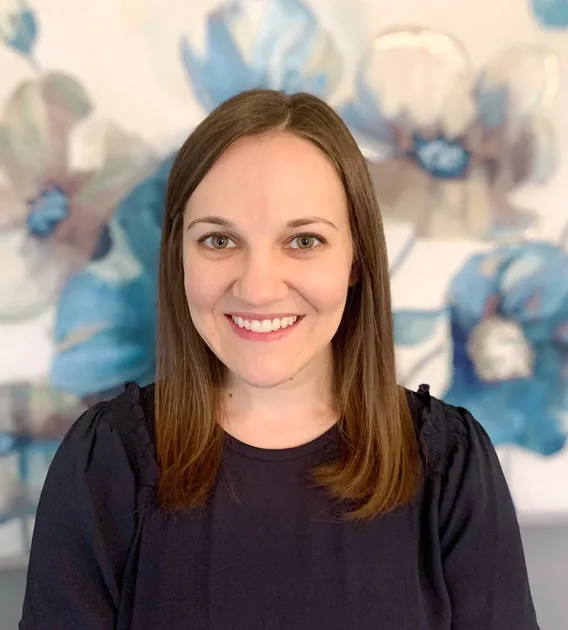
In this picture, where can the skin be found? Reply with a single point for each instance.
(266, 234)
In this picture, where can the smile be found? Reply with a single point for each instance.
(265, 328)
(265, 325)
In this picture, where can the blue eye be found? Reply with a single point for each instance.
(305, 242)
(218, 242)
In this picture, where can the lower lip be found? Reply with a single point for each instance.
(250, 335)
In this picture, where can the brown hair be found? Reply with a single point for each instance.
(378, 467)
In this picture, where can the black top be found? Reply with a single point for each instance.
(268, 552)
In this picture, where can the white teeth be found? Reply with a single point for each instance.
(266, 325)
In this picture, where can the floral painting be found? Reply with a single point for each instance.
(452, 144)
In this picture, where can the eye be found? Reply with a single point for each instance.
(305, 242)
(217, 241)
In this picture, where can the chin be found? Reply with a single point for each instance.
(263, 379)
(262, 374)
(269, 371)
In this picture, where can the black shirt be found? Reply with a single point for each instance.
(268, 552)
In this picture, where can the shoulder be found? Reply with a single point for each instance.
(445, 431)
(91, 506)
(122, 425)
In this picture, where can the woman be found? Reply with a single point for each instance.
(275, 477)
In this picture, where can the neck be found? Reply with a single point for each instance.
(286, 415)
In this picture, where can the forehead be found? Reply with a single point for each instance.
(276, 175)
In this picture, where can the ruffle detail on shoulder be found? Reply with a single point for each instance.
(130, 414)
(442, 428)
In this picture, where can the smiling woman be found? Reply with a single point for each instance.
(273, 163)
(275, 476)
(265, 265)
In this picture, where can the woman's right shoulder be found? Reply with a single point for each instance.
(124, 423)
(98, 485)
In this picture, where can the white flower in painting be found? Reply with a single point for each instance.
(62, 172)
(500, 350)
(447, 143)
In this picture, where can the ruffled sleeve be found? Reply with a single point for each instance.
(86, 522)
(482, 553)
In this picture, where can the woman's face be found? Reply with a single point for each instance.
(267, 254)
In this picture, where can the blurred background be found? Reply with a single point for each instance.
(458, 109)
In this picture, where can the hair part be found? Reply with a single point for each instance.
(378, 467)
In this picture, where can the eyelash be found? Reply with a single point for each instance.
(322, 241)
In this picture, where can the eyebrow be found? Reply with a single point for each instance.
(295, 223)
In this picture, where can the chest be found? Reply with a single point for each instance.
(272, 554)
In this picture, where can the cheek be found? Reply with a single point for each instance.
(326, 286)
(202, 287)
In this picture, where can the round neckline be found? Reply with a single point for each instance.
(281, 454)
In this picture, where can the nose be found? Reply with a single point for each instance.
(260, 279)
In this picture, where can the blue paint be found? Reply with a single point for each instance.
(23, 30)
(442, 158)
(414, 327)
(525, 284)
(47, 211)
(114, 320)
(120, 324)
(551, 14)
(8, 443)
(222, 71)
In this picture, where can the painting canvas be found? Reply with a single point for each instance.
(464, 140)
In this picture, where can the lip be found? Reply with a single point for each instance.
(250, 335)
(260, 316)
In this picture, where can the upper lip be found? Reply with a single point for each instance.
(263, 316)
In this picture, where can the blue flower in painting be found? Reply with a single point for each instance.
(18, 27)
(106, 315)
(551, 13)
(442, 158)
(47, 211)
(276, 44)
(509, 323)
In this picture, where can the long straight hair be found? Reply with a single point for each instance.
(378, 467)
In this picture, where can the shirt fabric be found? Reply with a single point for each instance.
(270, 551)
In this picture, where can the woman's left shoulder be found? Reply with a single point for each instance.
(445, 431)
(475, 525)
